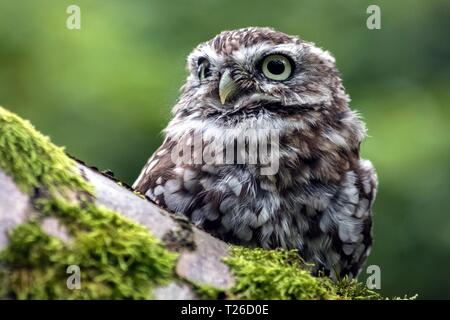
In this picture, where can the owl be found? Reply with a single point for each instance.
(263, 151)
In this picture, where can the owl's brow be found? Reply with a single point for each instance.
(232, 40)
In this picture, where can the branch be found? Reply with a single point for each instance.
(56, 212)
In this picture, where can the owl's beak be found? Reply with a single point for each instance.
(227, 87)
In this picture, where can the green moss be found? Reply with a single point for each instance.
(280, 274)
(206, 292)
(28, 250)
(34, 162)
(354, 290)
(117, 258)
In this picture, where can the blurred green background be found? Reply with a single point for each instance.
(105, 93)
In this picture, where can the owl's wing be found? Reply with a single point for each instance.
(349, 219)
(159, 164)
(180, 187)
(162, 178)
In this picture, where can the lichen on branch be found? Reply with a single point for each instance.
(117, 257)
(32, 160)
(280, 274)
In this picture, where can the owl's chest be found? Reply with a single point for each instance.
(234, 198)
(252, 209)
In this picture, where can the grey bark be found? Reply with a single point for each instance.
(201, 254)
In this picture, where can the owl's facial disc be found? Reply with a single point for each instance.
(253, 72)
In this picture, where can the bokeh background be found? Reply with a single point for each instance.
(105, 92)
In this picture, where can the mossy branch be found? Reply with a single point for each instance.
(56, 212)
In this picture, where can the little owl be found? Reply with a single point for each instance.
(247, 86)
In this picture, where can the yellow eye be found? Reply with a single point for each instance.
(277, 67)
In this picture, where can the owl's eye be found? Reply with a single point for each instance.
(204, 69)
(277, 67)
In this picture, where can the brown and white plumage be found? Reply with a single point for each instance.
(319, 200)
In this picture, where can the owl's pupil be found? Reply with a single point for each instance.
(275, 67)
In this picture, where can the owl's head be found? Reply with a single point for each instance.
(255, 70)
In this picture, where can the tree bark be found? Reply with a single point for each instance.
(201, 255)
